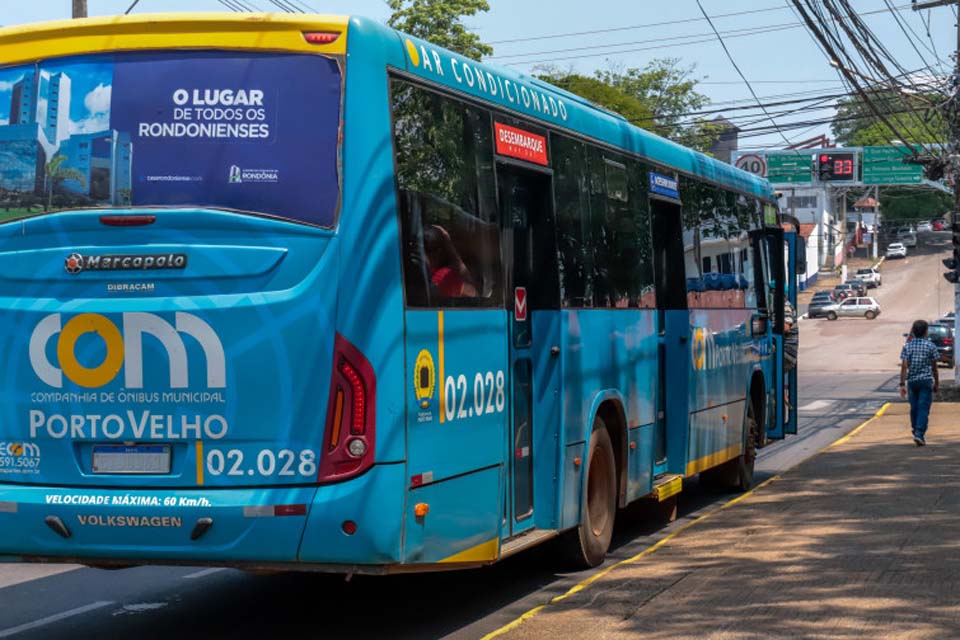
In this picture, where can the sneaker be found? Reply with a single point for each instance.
(918, 440)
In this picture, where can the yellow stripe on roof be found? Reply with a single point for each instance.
(270, 32)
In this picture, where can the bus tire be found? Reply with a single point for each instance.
(586, 545)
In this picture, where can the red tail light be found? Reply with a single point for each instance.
(350, 438)
(321, 37)
(948, 341)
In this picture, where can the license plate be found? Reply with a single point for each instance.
(134, 459)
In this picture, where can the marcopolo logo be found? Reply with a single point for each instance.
(124, 349)
(76, 262)
(238, 175)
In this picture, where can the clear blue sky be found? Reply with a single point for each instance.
(781, 61)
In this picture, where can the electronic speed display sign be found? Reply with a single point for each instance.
(837, 167)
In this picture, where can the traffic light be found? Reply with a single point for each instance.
(832, 167)
(953, 276)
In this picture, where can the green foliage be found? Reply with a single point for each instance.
(602, 94)
(440, 22)
(911, 203)
(669, 91)
(57, 173)
(855, 124)
(655, 98)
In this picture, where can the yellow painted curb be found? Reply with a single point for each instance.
(649, 550)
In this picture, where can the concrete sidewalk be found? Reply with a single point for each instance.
(861, 541)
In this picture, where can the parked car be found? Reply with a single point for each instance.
(938, 224)
(907, 237)
(844, 291)
(820, 300)
(941, 335)
(925, 226)
(870, 276)
(854, 308)
(896, 250)
(860, 286)
(948, 319)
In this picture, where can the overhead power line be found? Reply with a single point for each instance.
(674, 41)
(739, 72)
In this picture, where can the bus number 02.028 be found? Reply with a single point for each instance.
(267, 463)
(489, 395)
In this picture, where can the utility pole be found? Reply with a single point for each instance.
(951, 164)
(79, 8)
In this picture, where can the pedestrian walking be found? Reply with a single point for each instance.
(919, 378)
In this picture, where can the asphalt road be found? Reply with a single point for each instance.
(847, 370)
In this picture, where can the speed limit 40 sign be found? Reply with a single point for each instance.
(752, 163)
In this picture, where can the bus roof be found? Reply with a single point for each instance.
(260, 31)
(509, 89)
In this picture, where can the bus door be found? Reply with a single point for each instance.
(771, 298)
(533, 309)
(796, 264)
(673, 321)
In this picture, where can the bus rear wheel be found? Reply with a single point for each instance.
(586, 545)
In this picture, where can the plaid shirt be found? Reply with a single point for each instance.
(921, 356)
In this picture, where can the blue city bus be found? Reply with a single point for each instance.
(302, 292)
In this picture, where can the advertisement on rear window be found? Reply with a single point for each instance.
(206, 129)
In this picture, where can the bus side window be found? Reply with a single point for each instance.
(574, 242)
(447, 200)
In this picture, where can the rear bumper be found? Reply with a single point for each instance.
(246, 530)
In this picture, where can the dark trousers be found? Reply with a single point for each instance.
(920, 393)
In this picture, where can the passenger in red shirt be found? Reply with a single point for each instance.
(448, 273)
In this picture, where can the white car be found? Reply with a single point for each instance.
(907, 238)
(870, 276)
(853, 308)
(896, 250)
(924, 226)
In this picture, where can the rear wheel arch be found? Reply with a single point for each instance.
(611, 412)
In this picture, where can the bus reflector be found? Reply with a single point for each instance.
(350, 411)
(349, 527)
(127, 221)
(320, 37)
(421, 509)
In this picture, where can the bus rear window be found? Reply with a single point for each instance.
(250, 132)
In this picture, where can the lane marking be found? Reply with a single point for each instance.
(649, 550)
(12, 631)
(204, 573)
(816, 404)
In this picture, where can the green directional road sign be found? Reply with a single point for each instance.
(789, 167)
(884, 165)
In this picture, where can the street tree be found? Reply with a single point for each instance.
(669, 91)
(441, 22)
(602, 94)
(657, 98)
